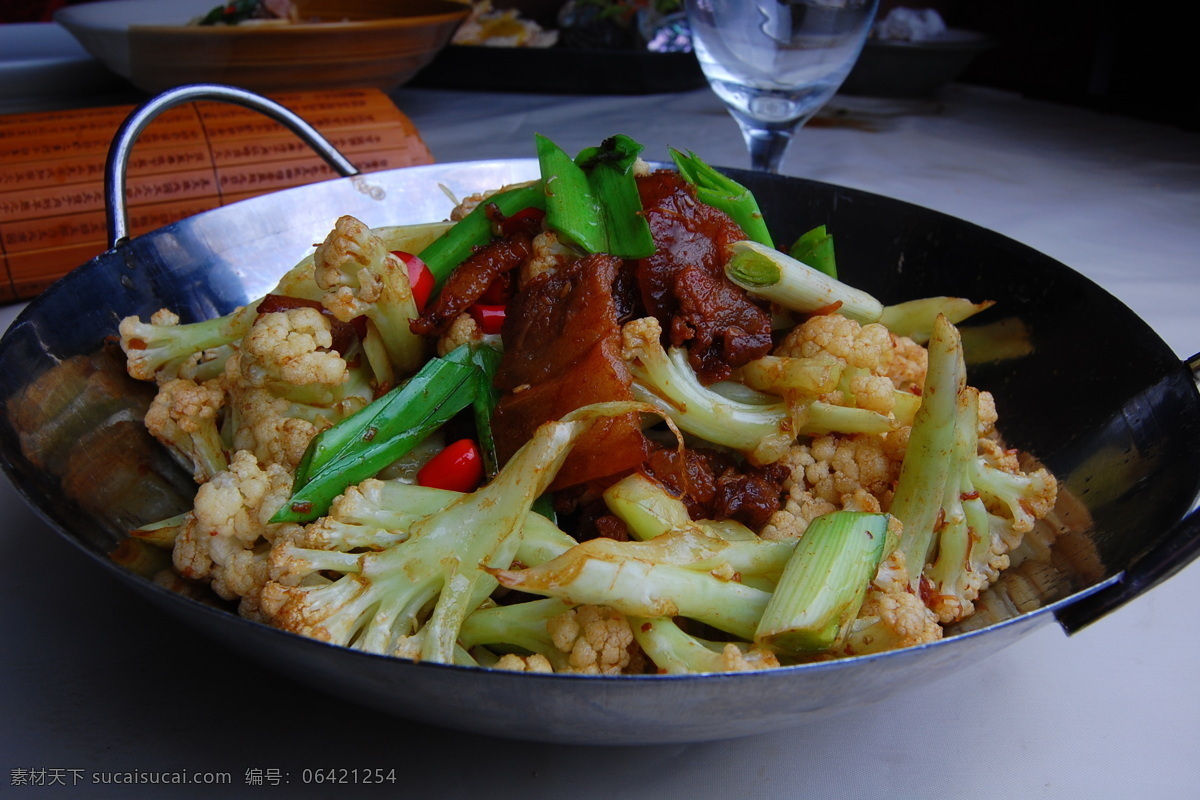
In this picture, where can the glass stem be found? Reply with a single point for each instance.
(766, 144)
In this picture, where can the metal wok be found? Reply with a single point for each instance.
(1093, 393)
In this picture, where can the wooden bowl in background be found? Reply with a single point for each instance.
(355, 44)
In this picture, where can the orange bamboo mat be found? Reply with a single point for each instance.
(191, 158)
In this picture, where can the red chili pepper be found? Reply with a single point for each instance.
(458, 467)
(420, 278)
(490, 318)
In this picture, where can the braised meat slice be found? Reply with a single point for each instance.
(562, 350)
(714, 485)
(471, 279)
(719, 324)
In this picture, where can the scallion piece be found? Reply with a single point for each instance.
(487, 360)
(723, 193)
(609, 168)
(815, 248)
(776, 276)
(571, 207)
(474, 230)
(824, 582)
(363, 444)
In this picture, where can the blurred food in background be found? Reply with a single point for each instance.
(254, 12)
(912, 53)
(489, 27)
(626, 25)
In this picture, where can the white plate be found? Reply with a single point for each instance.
(43, 66)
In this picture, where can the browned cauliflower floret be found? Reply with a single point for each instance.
(988, 415)
(892, 616)
(596, 639)
(549, 255)
(184, 417)
(292, 347)
(266, 425)
(834, 472)
(226, 537)
(909, 363)
(736, 659)
(360, 277)
(867, 347)
(531, 663)
(463, 330)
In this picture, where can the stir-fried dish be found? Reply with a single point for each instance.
(597, 423)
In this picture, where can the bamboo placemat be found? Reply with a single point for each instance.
(190, 159)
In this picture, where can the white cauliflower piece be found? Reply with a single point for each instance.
(531, 663)
(463, 330)
(226, 537)
(292, 347)
(892, 616)
(270, 427)
(549, 255)
(735, 659)
(596, 639)
(988, 415)
(867, 347)
(908, 365)
(873, 392)
(834, 472)
(184, 417)
(360, 277)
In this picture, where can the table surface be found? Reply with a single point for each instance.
(96, 682)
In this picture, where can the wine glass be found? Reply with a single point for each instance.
(776, 62)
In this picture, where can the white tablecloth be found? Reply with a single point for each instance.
(96, 682)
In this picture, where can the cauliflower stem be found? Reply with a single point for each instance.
(377, 600)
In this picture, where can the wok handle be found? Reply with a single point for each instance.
(1178, 548)
(139, 118)
(1175, 551)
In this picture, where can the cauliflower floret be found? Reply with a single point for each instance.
(184, 416)
(226, 537)
(164, 316)
(549, 255)
(360, 277)
(350, 265)
(734, 659)
(834, 472)
(995, 453)
(988, 415)
(867, 347)
(905, 619)
(596, 639)
(463, 330)
(874, 393)
(265, 430)
(892, 616)
(909, 363)
(162, 348)
(293, 347)
(532, 663)
(262, 421)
